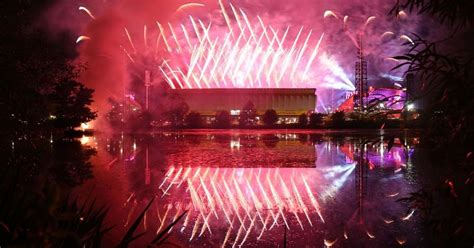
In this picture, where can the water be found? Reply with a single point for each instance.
(246, 187)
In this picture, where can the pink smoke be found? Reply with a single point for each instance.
(108, 65)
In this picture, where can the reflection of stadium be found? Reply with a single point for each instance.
(288, 103)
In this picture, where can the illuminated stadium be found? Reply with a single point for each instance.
(288, 103)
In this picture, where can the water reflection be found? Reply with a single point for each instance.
(245, 188)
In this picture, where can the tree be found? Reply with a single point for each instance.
(448, 85)
(30, 72)
(447, 91)
(193, 120)
(270, 117)
(70, 101)
(115, 116)
(248, 115)
(316, 119)
(177, 113)
(303, 120)
(338, 118)
(223, 119)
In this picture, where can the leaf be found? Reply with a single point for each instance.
(159, 238)
(128, 237)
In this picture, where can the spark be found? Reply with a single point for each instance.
(329, 243)
(392, 59)
(313, 56)
(405, 37)
(369, 20)
(209, 197)
(289, 198)
(206, 224)
(328, 13)
(164, 218)
(82, 38)
(129, 198)
(372, 236)
(239, 232)
(174, 37)
(401, 241)
(387, 221)
(172, 181)
(300, 201)
(227, 235)
(145, 38)
(264, 225)
(162, 32)
(130, 213)
(248, 231)
(178, 210)
(185, 176)
(393, 194)
(313, 199)
(87, 11)
(226, 17)
(189, 5)
(186, 220)
(387, 33)
(278, 202)
(130, 39)
(196, 224)
(402, 14)
(407, 217)
(233, 203)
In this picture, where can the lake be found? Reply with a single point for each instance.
(258, 188)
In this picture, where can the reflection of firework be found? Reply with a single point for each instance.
(256, 200)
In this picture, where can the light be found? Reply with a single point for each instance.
(381, 105)
(85, 126)
(235, 144)
(85, 140)
(235, 112)
(410, 107)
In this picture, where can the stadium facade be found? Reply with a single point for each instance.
(289, 103)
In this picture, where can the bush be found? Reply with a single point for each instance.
(270, 117)
(316, 119)
(193, 120)
(223, 119)
(338, 118)
(303, 120)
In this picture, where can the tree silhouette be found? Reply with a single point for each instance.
(448, 86)
(338, 118)
(193, 120)
(303, 120)
(248, 115)
(70, 101)
(223, 119)
(270, 117)
(315, 119)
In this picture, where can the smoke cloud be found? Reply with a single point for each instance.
(109, 52)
